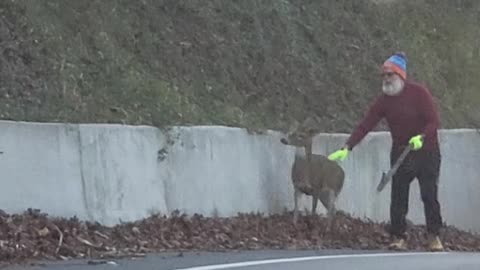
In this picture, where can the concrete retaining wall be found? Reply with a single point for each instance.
(113, 173)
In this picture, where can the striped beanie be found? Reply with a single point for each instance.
(397, 63)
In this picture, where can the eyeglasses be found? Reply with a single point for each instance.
(387, 74)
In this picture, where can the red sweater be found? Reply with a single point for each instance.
(411, 113)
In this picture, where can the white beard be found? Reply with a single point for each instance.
(394, 88)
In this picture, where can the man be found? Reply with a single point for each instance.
(413, 119)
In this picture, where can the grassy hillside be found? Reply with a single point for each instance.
(258, 64)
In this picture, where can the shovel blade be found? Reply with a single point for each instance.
(383, 182)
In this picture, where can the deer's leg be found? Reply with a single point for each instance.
(314, 204)
(331, 203)
(331, 209)
(324, 198)
(296, 194)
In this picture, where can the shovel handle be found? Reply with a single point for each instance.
(399, 161)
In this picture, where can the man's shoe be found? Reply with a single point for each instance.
(434, 243)
(398, 244)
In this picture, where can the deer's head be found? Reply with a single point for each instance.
(301, 136)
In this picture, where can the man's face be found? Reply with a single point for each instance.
(392, 83)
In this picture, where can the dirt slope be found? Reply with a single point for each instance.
(260, 64)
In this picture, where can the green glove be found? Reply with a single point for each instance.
(416, 142)
(339, 154)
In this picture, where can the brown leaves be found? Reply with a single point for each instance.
(34, 235)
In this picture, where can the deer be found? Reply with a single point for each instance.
(313, 174)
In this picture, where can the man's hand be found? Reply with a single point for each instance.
(416, 142)
(339, 154)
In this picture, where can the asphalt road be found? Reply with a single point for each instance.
(278, 260)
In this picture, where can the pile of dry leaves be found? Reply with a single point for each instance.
(34, 235)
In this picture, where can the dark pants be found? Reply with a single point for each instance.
(425, 166)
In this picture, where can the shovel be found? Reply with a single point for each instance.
(388, 176)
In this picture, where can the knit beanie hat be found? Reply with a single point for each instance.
(398, 64)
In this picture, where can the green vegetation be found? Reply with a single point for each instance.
(251, 63)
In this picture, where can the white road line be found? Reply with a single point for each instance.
(309, 258)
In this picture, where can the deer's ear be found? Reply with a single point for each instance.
(294, 127)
